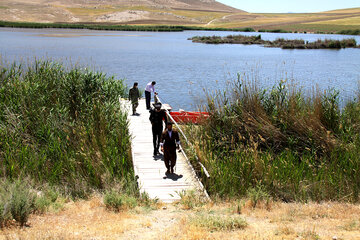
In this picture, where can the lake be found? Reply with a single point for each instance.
(183, 69)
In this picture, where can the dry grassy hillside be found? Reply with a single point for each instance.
(114, 11)
(330, 21)
(204, 13)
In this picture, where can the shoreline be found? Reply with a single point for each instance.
(154, 28)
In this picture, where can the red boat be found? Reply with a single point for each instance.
(189, 117)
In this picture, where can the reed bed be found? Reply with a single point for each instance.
(63, 127)
(291, 146)
(278, 43)
(121, 27)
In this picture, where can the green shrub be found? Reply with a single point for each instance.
(17, 201)
(113, 201)
(190, 199)
(45, 200)
(258, 194)
(116, 201)
(219, 222)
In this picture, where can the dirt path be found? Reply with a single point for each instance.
(223, 18)
(156, 224)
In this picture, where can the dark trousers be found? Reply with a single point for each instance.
(134, 106)
(147, 98)
(156, 131)
(169, 156)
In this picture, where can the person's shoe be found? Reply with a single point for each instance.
(167, 172)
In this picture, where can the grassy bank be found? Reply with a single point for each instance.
(280, 144)
(278, 43)
(91, 26)
(63, 127)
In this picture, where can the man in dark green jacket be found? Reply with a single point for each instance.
(134, 96)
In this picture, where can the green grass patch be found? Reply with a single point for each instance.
(219, 222)
(63, 127)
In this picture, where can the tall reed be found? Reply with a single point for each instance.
(63, 126)
(294, 146)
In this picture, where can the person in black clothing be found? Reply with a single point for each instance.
(157, 116)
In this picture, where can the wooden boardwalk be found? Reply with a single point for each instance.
(151, 170)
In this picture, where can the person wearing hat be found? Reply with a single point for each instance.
(157, 116)
(169, 142)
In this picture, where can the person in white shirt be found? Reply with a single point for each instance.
(148, 89)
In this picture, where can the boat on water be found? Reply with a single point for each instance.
(183, 116)
(189, 117)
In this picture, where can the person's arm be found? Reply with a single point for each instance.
(177, 139)
(138, 93)
(153, 89)
(130, 94)
(164, 118)
(162, 138)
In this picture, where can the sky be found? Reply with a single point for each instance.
(285, 6)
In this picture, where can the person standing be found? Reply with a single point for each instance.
(148, 89)
(157, 116)
(169, 142)
(134, 96)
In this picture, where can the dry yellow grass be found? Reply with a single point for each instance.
(344, 21)
(348, 10)
(276, 20)
(90, 220)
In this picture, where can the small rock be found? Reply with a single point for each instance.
(334, 237)
(164, 208)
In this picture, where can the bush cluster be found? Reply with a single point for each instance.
(17, 201)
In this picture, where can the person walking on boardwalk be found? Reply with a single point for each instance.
(169, 142)
(157, 116)
(148, 89)
(134, 96)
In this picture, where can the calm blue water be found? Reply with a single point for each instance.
(183, 69)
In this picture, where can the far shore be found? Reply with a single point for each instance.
(154, 28)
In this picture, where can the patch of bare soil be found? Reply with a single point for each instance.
(91, 220)
(124, 16)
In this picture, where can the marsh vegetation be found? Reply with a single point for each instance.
(278, 43)
(60, 128)
(282, 143)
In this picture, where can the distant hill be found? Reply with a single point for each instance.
(114, 11)
(204, 13)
